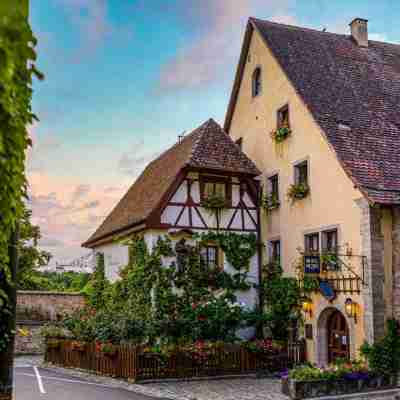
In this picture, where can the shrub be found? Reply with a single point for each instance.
(383, 357)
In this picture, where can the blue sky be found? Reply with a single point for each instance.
(124, 78)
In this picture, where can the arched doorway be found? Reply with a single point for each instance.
(338, 337)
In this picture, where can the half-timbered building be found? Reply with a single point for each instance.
(168, 197)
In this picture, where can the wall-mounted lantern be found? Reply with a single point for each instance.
(351, 308)
(307, 307)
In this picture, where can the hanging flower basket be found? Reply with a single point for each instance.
(280, 134)
(298, 191)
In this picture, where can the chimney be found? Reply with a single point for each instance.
(359, 31)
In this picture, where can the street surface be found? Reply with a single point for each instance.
(34, 383)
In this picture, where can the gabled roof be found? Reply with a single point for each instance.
(352, 92)
(207, 148)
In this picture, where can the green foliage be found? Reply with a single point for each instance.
(53, 331)
(384, 356)
(98, 284)
(298, 191)
(281, 134)
(182, 302)
(270, 202)
(340, 370)
(16, 71)
(214, 203)
(31, 257)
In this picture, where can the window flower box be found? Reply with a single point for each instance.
(298, 191)
(270, 203)
(280, 134)
(351, 383)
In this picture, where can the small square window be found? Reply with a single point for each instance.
(210, 186)
(209, 257)
(301, 173)
(275, 252)
(273, 187)
(330, 260)
(283, 117)
(311, 256)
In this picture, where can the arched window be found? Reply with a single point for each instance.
(256, 86)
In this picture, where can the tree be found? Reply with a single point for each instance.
(30, 256)
(17, 69)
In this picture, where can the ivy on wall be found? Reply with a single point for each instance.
(171, 294)
(17, 69)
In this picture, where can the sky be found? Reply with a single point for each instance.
(124, 78)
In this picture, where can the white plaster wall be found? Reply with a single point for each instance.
(116, 256)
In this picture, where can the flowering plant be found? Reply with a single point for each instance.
(348, 370)
(280, 134)
(264, 346)
(108, 349)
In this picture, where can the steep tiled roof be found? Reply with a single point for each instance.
(353, 93)
(207, 147)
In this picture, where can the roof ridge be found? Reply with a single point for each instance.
(296, 27)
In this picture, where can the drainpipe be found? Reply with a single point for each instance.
(259, 255)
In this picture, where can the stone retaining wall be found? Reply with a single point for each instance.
(36, 309)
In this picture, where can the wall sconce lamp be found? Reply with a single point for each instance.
(351, 308)
(307, 307)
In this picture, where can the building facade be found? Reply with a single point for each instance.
(167, 200)
(315, 113)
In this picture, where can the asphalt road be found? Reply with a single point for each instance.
(33, 383)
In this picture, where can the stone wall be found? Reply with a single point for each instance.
(36, 309)
(373, 249)
(396, 261)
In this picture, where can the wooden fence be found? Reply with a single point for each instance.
(129, 362)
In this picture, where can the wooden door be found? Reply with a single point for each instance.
(338, 337)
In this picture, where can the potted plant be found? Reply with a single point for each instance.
(298, 191)
(270, 202)
(280, 134)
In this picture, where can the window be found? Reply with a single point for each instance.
(256, 84)
(273, 187)
(215, 186)
(330, 260)
(275, 249)
(209, 257)
(283, 117)
(311, 257)
(330, 241)
(301, 173)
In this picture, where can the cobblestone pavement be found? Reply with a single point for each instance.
(224, 389)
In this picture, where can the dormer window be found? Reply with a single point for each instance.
(256, 82)
(215, 186)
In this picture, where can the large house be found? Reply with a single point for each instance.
(319, 114)
(332, 103)
(166, 201)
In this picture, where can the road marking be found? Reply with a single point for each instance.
(69, 380)
(39, 379)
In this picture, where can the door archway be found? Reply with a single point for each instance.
(338, 339)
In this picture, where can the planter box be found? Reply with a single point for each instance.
(310, 389)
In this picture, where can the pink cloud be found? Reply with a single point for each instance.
(68, 211)
(205, 60)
